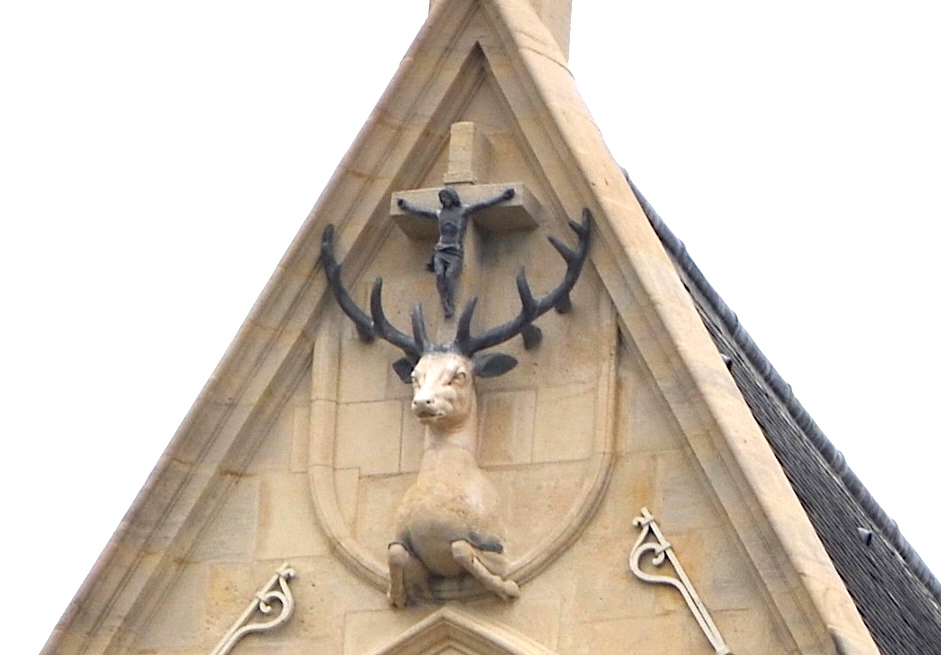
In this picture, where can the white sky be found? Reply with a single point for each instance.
(157, 158)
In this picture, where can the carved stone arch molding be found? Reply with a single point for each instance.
(449, 630)
(547, 428)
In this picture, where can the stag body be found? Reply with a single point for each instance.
(448, 523)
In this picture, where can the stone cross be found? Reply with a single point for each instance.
(468, 165)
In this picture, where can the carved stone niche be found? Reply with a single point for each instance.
(449, 630)
(547, 428)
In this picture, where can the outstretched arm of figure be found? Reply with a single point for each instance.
(412, 209)
(496, 200)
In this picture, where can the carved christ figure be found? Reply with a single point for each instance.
(448, 257)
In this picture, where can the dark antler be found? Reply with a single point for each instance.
(378, 325)
(413, 347)
(364, 324)
(531, 308)
(417, 345)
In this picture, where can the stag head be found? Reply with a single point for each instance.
(465, 346)
(442, 389)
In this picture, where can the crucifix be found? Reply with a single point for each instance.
(448, 258)
(494, 207)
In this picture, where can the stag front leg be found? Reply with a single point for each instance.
(398, 560)
(406, 575)
(482, 564)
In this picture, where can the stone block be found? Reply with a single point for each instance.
(506, 432)
(543, 496)
(323, 425)
(565, 423)
(683, 498)
(325, 360)
(631, 487)
(153, 529)
(633, 635)
(275, 347)
(347, 486)
(366, 632)
(231, 535)
(180, 624)
(230, 587)
(395, 388)
(274, 450)
(362, 376)
(650, 425)
(537, 619)
(325, 591)
(413, 439)
(726, 578)
(752, 631)
(605, 587)
(377, 500)
(286, 523)
(557, 583)
(368, 437)
(300, 439)
(572, 352)
(469, 154)
(258, 645)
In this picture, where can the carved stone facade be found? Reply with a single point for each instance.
(304, 444)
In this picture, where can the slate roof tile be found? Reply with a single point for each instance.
(897, 596)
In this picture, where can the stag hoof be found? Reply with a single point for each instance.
(509, 590)
(398, 601)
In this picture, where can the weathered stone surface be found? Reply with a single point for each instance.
(626, 395)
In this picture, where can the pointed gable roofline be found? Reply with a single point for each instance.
(897, 595)
(462, 40)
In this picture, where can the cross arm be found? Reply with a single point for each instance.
(490, 202)
(521, 212)
(405, 205)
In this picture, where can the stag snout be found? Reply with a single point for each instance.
(426, 408)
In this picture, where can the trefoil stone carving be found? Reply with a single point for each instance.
(449, 525)
(275, 592)
(661, 551)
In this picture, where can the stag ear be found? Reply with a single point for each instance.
(493, 364)
(403, 368)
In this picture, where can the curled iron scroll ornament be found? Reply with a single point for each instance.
(275, 592)
(661, 551)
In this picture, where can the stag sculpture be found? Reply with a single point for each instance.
(448, 524)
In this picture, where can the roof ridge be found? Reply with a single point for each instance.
(830, 454)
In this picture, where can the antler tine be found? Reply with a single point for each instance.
(531, 308)
(575, 259)
(469, 344)
(419, 329)
(383, 328)
(462, 337)
(364, 325)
